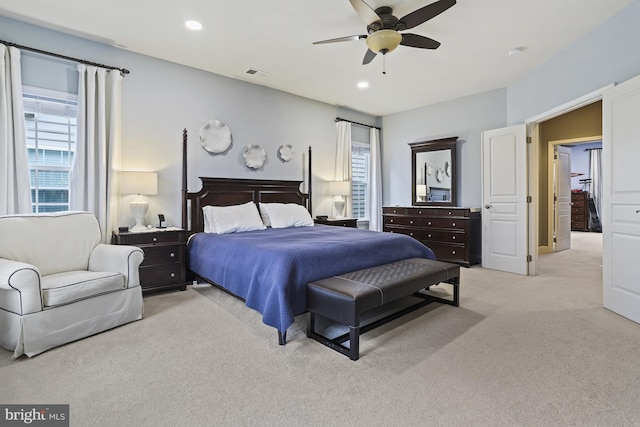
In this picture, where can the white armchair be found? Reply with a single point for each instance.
(58, 283)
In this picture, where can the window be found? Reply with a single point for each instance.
(360, 155)
(50, 119)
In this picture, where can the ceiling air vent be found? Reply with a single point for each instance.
(255, 72)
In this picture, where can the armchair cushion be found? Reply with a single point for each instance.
(70, 286)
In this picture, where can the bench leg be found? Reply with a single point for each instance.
(354, 342)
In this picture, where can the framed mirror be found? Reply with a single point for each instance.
(433, 172)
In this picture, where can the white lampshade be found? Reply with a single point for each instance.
(384, 41)
(421, 190)
(144, 183)
(140, 183)
(339, 188)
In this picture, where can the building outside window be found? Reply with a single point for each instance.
(50, 119)
(360, 160)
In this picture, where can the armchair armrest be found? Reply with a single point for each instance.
(121, 258)
(22, 281)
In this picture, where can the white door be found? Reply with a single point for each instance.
(562, 199)
(621, 199)
(504, 199)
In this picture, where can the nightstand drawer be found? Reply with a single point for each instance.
(166, 274)
(162, 254)
(153, 238)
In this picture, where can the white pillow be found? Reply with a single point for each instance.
(232, 219)
(282, 215)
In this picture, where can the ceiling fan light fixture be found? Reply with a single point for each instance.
(384, 41)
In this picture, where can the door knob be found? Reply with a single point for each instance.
(487, 206)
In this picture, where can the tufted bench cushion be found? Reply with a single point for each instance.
(344, 298)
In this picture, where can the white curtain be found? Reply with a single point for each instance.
(15, 191)
(343, 160)
(375, 182)
(595, 173)
(97, 158)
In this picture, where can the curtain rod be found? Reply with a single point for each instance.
(69, 58)
(338, 119)
(589, 149)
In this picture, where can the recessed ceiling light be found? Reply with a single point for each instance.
(363, 85)
(193, 25)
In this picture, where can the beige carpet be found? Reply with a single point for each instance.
(519, 351)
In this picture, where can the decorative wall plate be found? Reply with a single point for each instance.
(286, 152)
(439, 175)
(215, 136)
(447, 168)
(254, 156)
(429, 169)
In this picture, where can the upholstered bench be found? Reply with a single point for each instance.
(343, 299)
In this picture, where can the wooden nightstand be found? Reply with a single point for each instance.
(165, 257)
(341, 222)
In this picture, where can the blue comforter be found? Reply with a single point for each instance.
(270, 268)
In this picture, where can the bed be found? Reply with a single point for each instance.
(269, 268)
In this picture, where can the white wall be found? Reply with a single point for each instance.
(161, 98)
(465, 118)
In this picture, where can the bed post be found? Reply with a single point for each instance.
(310, 177)
(184, 179)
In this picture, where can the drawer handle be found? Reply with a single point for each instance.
(155, 239)
(454, 224)
(428, 235)
(419, 212)
(172, 254)
(411, 222)
(449, 212)
(454, 237)
(453, 252)
(174, 274)
(391, 221)
(429, 223)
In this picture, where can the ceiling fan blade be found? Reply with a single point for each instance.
(416, 40)
(342, 39)
(364, 11)
(423, 14)
(368, 57)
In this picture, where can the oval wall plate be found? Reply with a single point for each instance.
(215, 137)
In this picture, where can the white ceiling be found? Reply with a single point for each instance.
(276, 36)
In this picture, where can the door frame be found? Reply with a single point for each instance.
(551, 185)
(533, 132)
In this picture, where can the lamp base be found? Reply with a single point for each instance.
(339, 205)
(139, 208)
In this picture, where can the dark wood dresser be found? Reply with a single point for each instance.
(165, 257)
(452, 233)
(579, 212)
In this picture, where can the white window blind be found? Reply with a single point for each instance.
(50, 119)
(360, 159)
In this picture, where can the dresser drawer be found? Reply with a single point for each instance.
(447, 252)
(451, 212)
(443, 236)
(416, 233)
(164, 274)
(402, 220)
(162, 254)
(394, 210)
(455, 223)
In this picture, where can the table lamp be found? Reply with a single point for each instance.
(142, 184)
(339, 189)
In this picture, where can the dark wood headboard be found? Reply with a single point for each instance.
(235, 191)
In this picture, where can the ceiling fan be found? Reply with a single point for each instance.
(383, 28)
